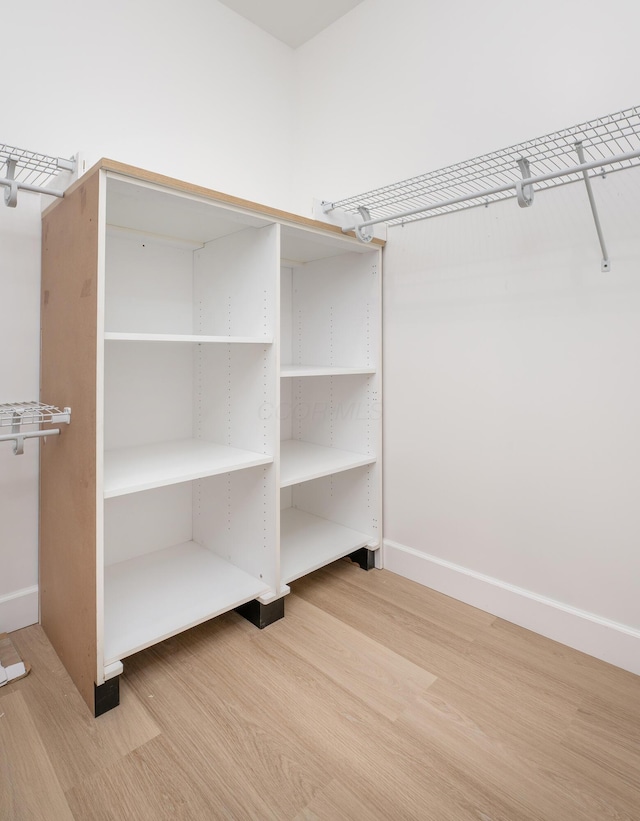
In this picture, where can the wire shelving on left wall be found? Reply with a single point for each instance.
(30, 171)
(31, 415)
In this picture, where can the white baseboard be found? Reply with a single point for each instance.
(18, 609)
(610, 641)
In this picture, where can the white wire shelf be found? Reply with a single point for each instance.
(32, 168)
(30, 171)
(607, 137)
(17, 415)
(32, 413)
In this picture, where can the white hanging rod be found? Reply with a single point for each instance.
(29, 171)
(488, 192)
(24, 186)
(18, 438)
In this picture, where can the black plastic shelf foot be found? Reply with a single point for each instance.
(364, 557)
(262, 615)
(106, 696)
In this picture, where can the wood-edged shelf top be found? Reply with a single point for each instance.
(303, 461)
(129, 470)
(117, 336)
(154, 596)
(218, 197)
(308, 542)
(292, 371)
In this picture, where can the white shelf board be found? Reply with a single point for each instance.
(308, 542)
(303, 461)
(128, 470)
(132, 337)
(321, 370)
(154, 596)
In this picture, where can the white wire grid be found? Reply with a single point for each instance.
(31, 413)
(32, 168)
(608, 136)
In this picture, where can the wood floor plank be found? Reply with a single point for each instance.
(79, 744)
(495, 767)
(526, 694)
(29, 788)
(526, 688)
(338, 726)
(152, 783)
(453, 615)
(602, 750)
(341, 801)
(413, 635)
(569, 673)
(530, 689)
(583, 673)
(211, 701)
(385, 681)
(336, 713)
(284, 700)
(553, 776)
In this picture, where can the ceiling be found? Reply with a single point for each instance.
(292, 21)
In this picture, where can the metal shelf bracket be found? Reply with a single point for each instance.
(606, 264)
(524, 192)
(361, 232)
(11, 188)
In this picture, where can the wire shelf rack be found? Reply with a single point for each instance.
(28, 171)
(602, 138)
(18, 415)
(31, 413)
(32, 168)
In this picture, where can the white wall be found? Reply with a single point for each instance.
(511, 379)
(19, 374)
(187, 89)
(512, 399)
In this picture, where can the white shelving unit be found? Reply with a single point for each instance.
(186, 327)
(329, 402)
(189, 331)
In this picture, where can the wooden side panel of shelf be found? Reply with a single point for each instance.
(68, 462)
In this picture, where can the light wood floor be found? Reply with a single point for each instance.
(374, 698)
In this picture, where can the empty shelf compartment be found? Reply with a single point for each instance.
(154, 596)
(309, 542)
